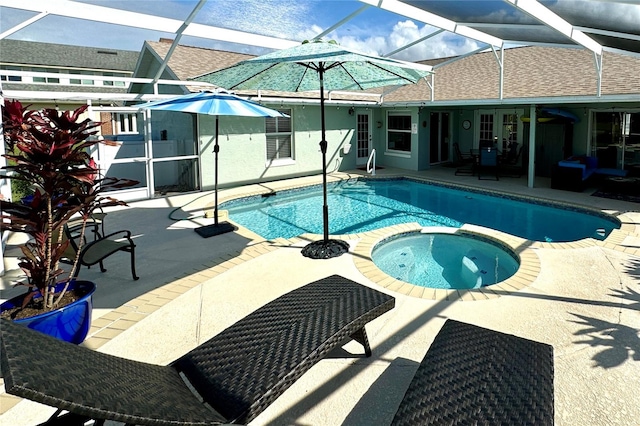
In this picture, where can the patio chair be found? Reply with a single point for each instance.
(96, 251)
(488, 163)
(476, 376)
(94, 225)
(465, 163)
(512, 168)
(231, 378)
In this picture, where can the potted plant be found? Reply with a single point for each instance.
(49, 151)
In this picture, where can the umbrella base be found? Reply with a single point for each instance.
(325, 249)
(215, 229)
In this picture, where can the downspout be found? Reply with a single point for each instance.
(533, 119)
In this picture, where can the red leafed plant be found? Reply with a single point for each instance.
(49, 151)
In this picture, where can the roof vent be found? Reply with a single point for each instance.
(108, 52)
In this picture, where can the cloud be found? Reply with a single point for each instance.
(286, 19)
(404, 33)
(622, 17)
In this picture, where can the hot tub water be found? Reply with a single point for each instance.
(444, 260)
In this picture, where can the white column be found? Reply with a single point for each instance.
(533, 119)
(149, 155)
(5, 187)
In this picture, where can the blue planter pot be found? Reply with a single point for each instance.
(70, 323)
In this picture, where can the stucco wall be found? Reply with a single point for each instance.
(242, 156)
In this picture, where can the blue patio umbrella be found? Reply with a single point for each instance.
(315, 66)
(218, 102)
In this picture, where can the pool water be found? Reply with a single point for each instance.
(360, 205)
(446, 261)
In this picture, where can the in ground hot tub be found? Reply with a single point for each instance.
(447, 260)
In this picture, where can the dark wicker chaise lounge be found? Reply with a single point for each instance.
(238, 372)
(475, 376)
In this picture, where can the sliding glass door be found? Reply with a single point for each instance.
(615, 139)
(439, 136)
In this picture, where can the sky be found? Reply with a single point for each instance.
(373, 31)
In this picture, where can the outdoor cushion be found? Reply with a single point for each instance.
(238, 372)
(612, 172)
(576, 164)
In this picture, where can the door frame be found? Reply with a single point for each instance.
(444, 146)
(362, 160)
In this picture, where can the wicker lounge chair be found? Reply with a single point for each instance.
(239, 372)
(475, 376)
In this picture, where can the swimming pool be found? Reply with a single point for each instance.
(360, 205)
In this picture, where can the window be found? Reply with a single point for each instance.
(112, 82)
(126, 123)
(51, 80)
(486, 130)
(399, 132)
(11, 77)
(278, 132)
(615, 138)
(509, 132)
(81, 81)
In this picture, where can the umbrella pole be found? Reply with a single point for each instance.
(326, 248)
(216, 149)
(323, 148)
(216, 228)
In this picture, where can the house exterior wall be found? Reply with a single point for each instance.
(530, 73)
(464, 137)
(242, 157)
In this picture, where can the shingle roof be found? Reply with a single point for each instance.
(59, 55)
(187, 61)
(529, 72)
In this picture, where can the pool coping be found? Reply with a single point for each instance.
(364, 242)
(525, 275)
(529, 261)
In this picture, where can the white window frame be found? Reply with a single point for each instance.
(484, 129)
(399, 113)
(286, 161)
(130, 124)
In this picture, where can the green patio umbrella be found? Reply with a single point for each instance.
(317, 65)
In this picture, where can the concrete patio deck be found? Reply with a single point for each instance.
(584, 299)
